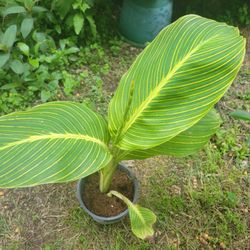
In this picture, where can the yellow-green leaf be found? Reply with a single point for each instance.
(53, 142)
(175, 81)
(186, 143)
(142, 219)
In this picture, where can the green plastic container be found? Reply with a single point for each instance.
(141, 20)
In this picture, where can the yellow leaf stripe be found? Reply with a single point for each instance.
(55, 136)
(186, 143)
(141, 219)
(155, 92)
(177, 80)
(53, 142)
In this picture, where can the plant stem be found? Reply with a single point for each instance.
(120, 196)
(106, 175)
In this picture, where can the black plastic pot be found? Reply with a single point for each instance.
(111, 219)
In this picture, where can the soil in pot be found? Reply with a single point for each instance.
(102, 205)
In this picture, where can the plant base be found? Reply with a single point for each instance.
(99, 206)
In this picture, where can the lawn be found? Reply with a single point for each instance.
(201, 201)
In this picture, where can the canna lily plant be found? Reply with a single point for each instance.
(162, 106)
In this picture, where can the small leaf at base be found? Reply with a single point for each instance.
(141, 219)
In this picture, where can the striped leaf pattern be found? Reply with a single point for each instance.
(174, 82)
(53, 142)
(141, 219)
(186, 143)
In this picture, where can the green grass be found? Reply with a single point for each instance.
(200, 201)
(3, 226)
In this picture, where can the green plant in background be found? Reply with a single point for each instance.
(163, 106)
(244, 14)
(231, 11)
(19, 62)
(7, 41)
(31, 62)
(18, 19)
(74, 14)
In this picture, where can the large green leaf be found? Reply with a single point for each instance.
(174, 82)
(53, 142)
(186, 143)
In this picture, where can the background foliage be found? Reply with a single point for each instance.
(40, 39)
(235, 12)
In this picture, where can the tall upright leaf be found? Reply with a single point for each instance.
(174, 82)
(53, 142)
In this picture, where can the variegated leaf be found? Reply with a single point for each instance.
(174, 82)
(186, 143)
(53, 142)
(141, 219)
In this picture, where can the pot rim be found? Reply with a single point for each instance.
(131, 175)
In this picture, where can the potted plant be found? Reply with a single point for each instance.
(163, 106)
(141, 20)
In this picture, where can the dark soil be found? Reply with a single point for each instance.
(101, 204)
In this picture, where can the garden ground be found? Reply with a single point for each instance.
(202, 202)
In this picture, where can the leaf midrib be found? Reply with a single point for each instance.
(158, 88)
(54, 136)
